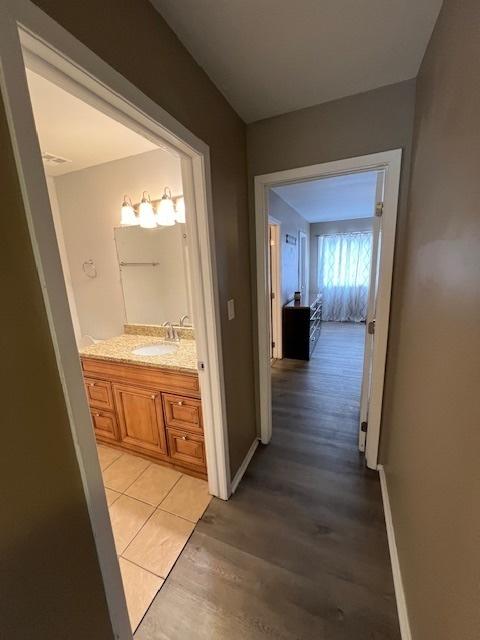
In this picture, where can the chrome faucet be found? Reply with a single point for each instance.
(172, 334)
(182, 320)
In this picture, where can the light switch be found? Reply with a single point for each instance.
(231, 309)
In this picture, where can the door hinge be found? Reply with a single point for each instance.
(273, 345)
(364, 426)
(371, 327)
(200, 365)
(272, 295)
(379, 209)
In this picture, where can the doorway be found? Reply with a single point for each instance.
(125, 279)
(25, 32)
(385, 167)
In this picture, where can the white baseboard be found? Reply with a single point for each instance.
(243, 467)
(397, 574)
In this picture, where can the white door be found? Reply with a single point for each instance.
(274, 284)
(271, 293)
(302, 263)
(371, 311)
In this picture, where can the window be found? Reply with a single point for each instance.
(344, 275)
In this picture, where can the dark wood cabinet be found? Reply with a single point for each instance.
(302, 322)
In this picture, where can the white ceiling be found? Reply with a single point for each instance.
(339, 198)
(273, 56)
(72, 129)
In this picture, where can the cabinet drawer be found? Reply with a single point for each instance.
(186, 448)
(99, 394)
(105, 424)
(183, 413)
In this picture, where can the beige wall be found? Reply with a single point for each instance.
(431, 444)
(370, 122)
(67, 276)
(291, 222)
(50, 575)
(137, 42)
(89, 203)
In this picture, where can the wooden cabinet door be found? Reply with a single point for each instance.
(140, 419)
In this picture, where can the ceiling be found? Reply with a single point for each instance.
(339, 198)
(274, 56)
(70, 128)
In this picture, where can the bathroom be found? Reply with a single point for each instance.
(118, 208)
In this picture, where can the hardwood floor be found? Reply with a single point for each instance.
(300, 552)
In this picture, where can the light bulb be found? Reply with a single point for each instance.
(127, 215)
(146, 214)
(180, 209)
(165, 210)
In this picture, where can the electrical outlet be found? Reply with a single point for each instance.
(231, 309)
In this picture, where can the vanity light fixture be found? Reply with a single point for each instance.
(165, 209)
(146, 214)
(128, 217)
(180, 209)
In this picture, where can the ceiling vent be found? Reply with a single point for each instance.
(53, 160)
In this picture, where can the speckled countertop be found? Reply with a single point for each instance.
(120, 349)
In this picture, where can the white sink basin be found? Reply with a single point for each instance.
(160, 349)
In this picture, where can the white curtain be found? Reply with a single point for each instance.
(344, 275)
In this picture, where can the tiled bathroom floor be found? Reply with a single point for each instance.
(153, 510)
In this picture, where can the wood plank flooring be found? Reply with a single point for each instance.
(300, 552)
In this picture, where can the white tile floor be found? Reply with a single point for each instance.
(153, 510)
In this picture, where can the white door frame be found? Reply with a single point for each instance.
(276, 268)
(125, 102)
(368, 348)
(306, 261)
(391, 162)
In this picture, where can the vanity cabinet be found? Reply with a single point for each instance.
(140, 419)
(153, 412)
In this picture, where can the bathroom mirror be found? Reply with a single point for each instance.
(153, 266)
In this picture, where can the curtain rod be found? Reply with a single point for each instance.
(343, 233)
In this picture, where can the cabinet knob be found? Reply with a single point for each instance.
(97, 415)
(153, 396)
(91, 384)
(180, 403)
(184, 437)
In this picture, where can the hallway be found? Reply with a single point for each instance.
(300, 552)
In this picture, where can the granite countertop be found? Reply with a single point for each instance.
(119, 349)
